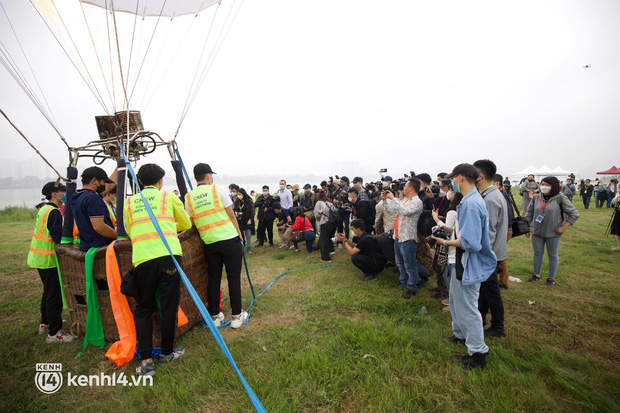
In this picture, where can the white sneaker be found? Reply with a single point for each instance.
(60, 337)
(332, 253)
(291, 247)
(326, 261)
(238, 320)
(44, 328)
(217, 320)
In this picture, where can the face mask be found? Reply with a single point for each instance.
(100, 189)
(385, 184)
(265, 193)
(240, 196)
(350, 199)
(442, 192)
(308, 192)
(531, 179)
(456, 188)
(341, 185)
(282, 187)
(233, 194)
(64, 198)
(545, 189)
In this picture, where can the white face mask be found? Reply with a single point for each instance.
(233, 194)
(240, 196)
(545, 189)
(442, 192)
(350, 199)
(265, 193)
(385, 184)
(282, 187)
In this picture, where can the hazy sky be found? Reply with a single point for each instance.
(401, 84)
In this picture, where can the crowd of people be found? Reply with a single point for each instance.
(455, 228)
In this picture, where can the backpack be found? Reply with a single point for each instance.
(386, 245)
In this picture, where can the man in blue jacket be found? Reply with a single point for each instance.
(475, 263)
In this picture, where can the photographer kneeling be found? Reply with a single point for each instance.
(365, 253)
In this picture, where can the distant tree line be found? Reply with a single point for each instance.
(24, 183)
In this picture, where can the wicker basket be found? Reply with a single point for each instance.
(72, 266)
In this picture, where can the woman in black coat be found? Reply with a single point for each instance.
(244, 210)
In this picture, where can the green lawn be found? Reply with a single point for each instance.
(304, 347)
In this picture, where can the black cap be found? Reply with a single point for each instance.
(307, 186)
(357, 179)
(465, 169)
(95, 172)
(50, 187)
(203, 169)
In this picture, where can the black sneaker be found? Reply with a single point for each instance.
(491, 332)
(408, 294)
(453, 340)
(503, 286)
(369, 277)
(476, 360)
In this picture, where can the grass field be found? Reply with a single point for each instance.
(304, 347)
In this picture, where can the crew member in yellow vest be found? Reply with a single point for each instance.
(42, 256)
(154, 267)
(109, 199)
(211, 210)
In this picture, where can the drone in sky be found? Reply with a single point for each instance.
(587, 66)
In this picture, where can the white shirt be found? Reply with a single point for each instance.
(286, 198)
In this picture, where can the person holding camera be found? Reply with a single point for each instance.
(529, 188)
(406, 234)
(474, 262)
(302, 223)
(358, 183)
(363, 209)
(425, 223)
(283, 224)
(244, 211)
(365, 251)
(266, 216)
(384, 220)
(307, 200)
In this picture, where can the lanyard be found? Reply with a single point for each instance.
(541, 205)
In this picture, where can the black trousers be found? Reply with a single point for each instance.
(152, 275)
(51, 301)
(491, 299)
(325, 240)
(368, 265)
(262, 226)
(219, 254)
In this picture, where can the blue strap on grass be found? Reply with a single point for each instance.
(195, 297)
(189, 182)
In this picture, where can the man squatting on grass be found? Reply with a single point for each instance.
(365, 251)
(42, 256)
(154, 268)
(474, 263)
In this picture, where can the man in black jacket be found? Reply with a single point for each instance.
(266, 216)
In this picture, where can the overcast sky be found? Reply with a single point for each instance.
(398, 84)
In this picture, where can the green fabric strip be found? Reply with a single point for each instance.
(62, 287)
(66, 240)
(94, 326)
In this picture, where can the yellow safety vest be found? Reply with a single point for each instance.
(42, 252)
(206, 209)
(112, 214)
(145, 240)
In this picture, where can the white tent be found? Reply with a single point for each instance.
(541, 172)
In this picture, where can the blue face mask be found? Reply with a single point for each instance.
(456, 187)
(282, 186)
(64, 198)
(341, 185)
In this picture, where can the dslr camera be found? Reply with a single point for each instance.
(437, 232)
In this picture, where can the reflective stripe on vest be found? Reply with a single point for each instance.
(146, 243)
(207, 210)
(42, 253)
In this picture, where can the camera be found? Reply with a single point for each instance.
(437, 232)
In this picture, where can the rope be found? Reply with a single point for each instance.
(29, 66)
(33, 147)
(195, 297)
(92, 41)
(120, 66)
(214, 52)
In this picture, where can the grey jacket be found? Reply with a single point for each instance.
(554, 218)
(498, 221)
(569, 189)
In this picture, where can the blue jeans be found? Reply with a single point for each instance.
(610, 196)
(586, 201)
(466, 319)
(404, 253)
(553, 246)
(247, 239)
(309, 237)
